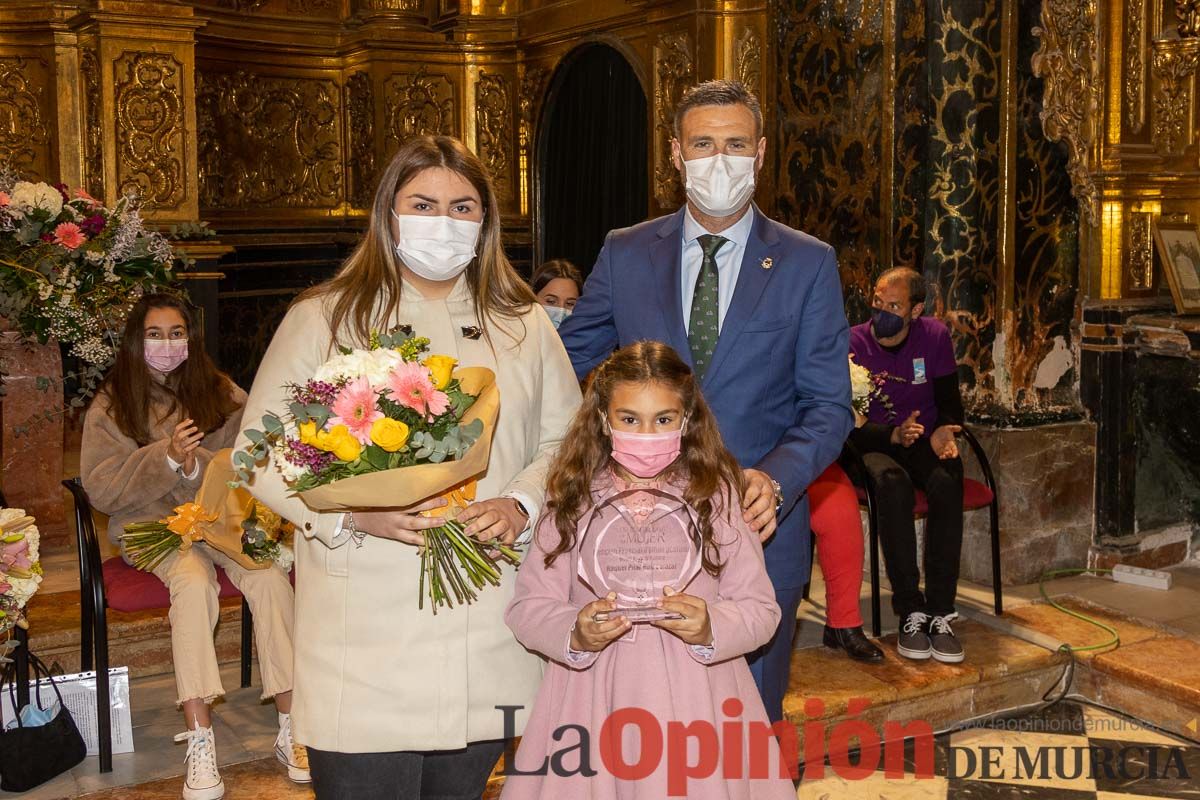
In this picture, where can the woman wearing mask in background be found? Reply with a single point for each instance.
(556, 284)
(147, 439)
(391, 700)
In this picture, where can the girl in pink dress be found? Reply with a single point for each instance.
(630, 708)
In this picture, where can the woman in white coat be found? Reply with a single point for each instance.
(392, 701)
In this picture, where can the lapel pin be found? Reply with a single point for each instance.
(766, 263)
(471, 332)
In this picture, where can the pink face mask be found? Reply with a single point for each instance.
(165, 355)
(645, 454)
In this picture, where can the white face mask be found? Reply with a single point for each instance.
(436, 248)
(719, 185)
(557, 315)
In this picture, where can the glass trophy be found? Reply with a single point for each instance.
(636, 543)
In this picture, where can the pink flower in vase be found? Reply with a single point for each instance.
(355, 408)
(69, 235)
(80, 194)
(15, 554)
(4, 199)
(412, 386)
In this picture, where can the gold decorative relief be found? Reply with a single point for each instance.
(747, 60)
(93, 137)
(24, 132)
(530, 92)
(674, 69)
(268, 141)
(388, 5)
(1140, 244)
(242, 5)
(360, 139)
(1068, 62)
(493, 128)
(1175, 62)
(418, 103)
(1135, 67)
(1188, 14)
(149, 122)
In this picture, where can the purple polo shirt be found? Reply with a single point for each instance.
(925, 355)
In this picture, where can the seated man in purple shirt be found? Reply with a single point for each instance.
(912, 444)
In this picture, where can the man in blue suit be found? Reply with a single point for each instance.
(756, 308)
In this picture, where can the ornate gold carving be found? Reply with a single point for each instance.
(24, 133)
(267, 140)
(360, 139)
(309, 6)
(1175, 62)
(1188, 14)
(388, 5)
(1135, 67)
(93, 138)
(150, 152)
(674, 68)
(747, 60)
(1068, 61)
(529, 99)
(418, 103)
(242, 5)
(493, 128)
(1140, 243)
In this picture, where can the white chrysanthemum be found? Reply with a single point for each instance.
(290, 472)
(28, 196)
(286, 558)
(860, 381)
(374, 365)
(23, 588)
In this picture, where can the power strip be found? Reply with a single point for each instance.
(1140, 576)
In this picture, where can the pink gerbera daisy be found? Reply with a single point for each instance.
(355, 408)
(412, 386)
(69, 235)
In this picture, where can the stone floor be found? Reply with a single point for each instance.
(1010, 662)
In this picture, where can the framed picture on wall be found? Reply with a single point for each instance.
(1178, 246)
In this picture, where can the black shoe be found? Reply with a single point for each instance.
(943, 643)
(854, 642)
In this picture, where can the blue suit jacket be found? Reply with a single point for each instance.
(778, 381)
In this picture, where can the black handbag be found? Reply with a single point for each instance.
(31, 756)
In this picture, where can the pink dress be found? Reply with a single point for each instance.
(692, 723)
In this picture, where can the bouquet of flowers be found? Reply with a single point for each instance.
(866, 387)
(392, 425)
(71, 268)
(20, 571)
(224, 517)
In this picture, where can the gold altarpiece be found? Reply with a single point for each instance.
(277, 113)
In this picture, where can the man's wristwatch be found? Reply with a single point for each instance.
(778, 495)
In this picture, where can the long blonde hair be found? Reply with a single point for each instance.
(365, 292)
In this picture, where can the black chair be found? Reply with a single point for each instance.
(21, 654)
(976, 495)
(93, 624)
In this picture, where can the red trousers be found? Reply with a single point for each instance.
(837, 526)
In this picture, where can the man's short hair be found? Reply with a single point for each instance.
(718, 93)
(917, 288)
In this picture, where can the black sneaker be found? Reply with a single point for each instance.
(944, 644)
(914, 637)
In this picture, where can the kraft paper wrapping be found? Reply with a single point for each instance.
(231, 506)
(405, 486)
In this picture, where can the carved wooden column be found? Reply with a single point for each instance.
(138, 66)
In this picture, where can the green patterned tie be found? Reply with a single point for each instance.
(705, 319)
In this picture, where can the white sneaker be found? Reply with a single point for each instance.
(291, 755)
(202, 781)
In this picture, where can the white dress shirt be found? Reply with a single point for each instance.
(729, 262)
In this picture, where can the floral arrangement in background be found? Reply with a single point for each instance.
(71, 268)
(20, 572)
(392, 425)
(866, 388)
(262, 534)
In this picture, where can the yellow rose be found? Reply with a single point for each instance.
(440, 367)
(308, 432)
(390, 434)
(343, 445)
